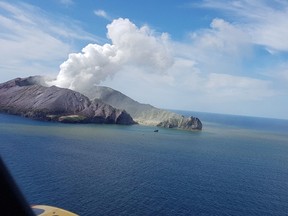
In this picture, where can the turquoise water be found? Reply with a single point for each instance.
(235, 166)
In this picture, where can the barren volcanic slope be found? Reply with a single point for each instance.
(143, 113)
(30, 98)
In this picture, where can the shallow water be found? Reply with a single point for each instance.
(233, 167)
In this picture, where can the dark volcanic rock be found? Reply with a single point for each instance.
(99, 112)
(30, 97)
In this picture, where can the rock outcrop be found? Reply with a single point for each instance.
(191, 123)
(143, 113)
(30, 97)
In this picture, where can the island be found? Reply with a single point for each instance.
(31, 97)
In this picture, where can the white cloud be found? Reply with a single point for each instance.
(218, 49)
(224, 37)
(140, 45)
(264, 21)
(131, 46)
(29, 37)
(102, 13)
(223, 86)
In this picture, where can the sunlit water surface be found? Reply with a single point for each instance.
(235, 166)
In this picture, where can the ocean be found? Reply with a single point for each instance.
(235, 166)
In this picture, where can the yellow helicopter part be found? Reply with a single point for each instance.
(44, 210)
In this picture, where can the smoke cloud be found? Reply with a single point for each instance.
(131, 46)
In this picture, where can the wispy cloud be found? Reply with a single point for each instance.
(265, 21)
(103, 14)
(29, 36)
(223, 86)
(220, 54)
(219, 48)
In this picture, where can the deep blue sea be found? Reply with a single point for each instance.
(236, 166)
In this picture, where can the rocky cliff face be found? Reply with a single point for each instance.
(30, 97)
(143, 113)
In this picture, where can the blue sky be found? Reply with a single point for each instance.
(220, 56)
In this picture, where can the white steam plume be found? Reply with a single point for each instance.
(130, 46)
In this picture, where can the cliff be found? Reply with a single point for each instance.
(30, 97)
(143, 113)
